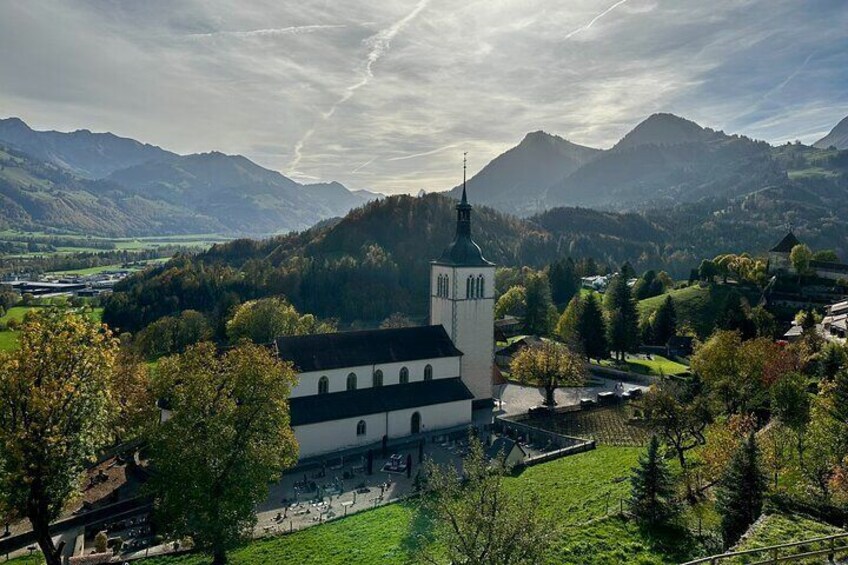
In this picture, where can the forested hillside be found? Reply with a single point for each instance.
(375, 261)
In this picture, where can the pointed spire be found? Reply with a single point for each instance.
(464, 168)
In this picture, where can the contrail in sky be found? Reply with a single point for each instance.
(424, 154)
(269, 32)
(379, 43)
(595, 19)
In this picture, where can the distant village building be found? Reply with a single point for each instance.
(779, 261)
(833, 327)
(360, 388)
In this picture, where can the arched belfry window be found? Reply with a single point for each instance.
(469, 287)
(428, 373)
(446, 286)
(480, 283)
(323, 385)
(404, 375)
(351, 381)
(360, 428)
(378, 378)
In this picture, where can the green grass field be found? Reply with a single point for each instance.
(581, 493)
(699, 306)
(779, 528)
(656, 366)
(9, 339)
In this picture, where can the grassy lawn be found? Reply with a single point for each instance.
(657, 365)
(699, 306)
(577, 492)
(778, 528)
(9, 339)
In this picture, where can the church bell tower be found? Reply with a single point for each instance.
(462, 299)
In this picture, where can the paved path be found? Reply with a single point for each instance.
(518, 399)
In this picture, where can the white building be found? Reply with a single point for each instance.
(356, 388)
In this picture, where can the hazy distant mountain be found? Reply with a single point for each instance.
(665, 129)
(516, 180)
(838, 137)
(86, 154)
(221, 193)
(667, 160)
(237, 192)
(40, 196)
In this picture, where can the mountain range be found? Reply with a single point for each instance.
(102, 184)
(664, 161)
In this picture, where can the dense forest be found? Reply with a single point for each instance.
(375, 261)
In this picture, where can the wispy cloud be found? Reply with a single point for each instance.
(269, 32)
(595, 19)
(378, 44)
(385, 94)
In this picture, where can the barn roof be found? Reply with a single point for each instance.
(786, 244)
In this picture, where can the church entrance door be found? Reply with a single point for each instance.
(416, 423)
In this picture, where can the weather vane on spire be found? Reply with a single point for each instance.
(464, 164)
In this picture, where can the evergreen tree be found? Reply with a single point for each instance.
(734, 315)
(627, 271)
(665, 322)
(541, 313)
(592, 329)
(623, 323)
(652, 488)
(564, 280)
(739, 498)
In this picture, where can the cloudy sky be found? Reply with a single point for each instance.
(386, 94)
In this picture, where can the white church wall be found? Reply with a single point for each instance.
(315, 439)
(435, 417)
(329, 436)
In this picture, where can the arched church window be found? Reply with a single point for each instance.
(446, 287)
(428, 373)
(323, 385)
(360, 428)
(378, 378)
(404, 375)
(351, 381)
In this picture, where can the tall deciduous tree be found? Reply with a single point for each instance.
(513, 302)
(228, 438)
(478, 520)
(568, 326)
(549, 365)
(790, 404)
(541, 313)
(800, 257)
(652, 487)
(678, 416)
(54, 416)
(262, 321)
(739, 498)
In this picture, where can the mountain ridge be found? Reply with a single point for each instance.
(223, 193)
(838, 136)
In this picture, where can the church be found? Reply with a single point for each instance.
(357, 388)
